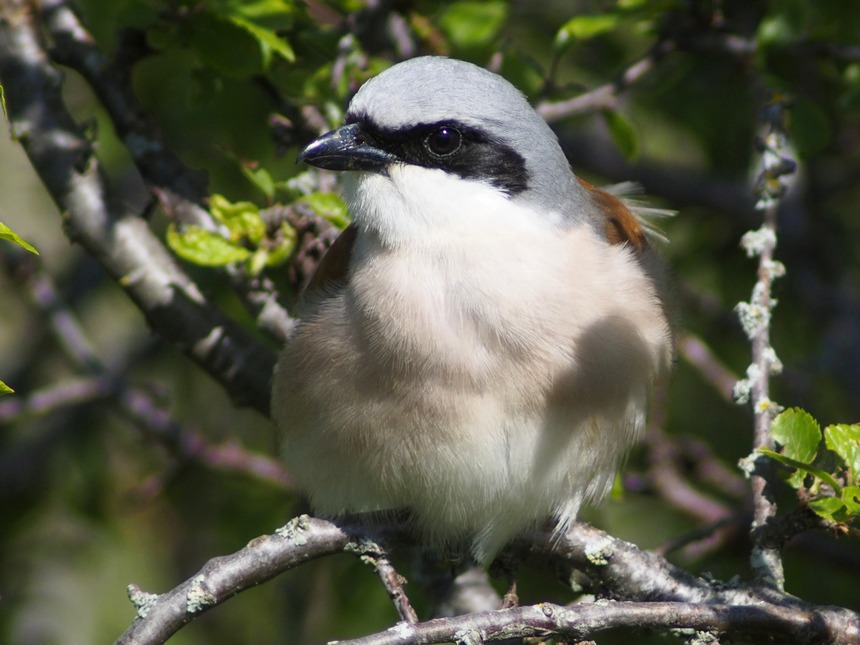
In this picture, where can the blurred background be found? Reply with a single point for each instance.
(92, 500)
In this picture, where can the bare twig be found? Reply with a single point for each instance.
(697, 353)
(704, 539)
(670, 483)
(711, 470)
(375, 555)
(133, 403)
(78, 391)
(605, 97)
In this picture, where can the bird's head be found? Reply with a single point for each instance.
(447, 115)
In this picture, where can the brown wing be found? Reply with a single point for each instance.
(334, 265)
(620, 224)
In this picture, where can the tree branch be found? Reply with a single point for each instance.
(135, 404)
(605, 97)
(659, 595)
(584, 621)
(181, 190)
(122, 243)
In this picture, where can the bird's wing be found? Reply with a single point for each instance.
(620, 225)
(626, 220)
(333, 267)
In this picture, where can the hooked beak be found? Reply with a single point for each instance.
(347, 148)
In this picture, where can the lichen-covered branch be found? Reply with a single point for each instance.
(657, 595)
(755, 316)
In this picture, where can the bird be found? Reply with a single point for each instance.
(479, 346)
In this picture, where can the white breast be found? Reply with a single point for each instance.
(484, 367)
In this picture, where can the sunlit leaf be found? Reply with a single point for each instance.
(328, 206)
(286, 245)
(798, 433)
(7, 233)
(206, 248)
(844, 440)
(584, 27)
(241, 218)
(830, 508)
(851, 499)
(5, 389)
(804, 469)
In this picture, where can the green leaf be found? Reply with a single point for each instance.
(261, 178)
(798, 433)
(203, 247)
(257, 261)
(585, 27)
(226, 46)
(623, 133)
(473, 24)
(286, 244)
(803, 469)
(7, 233)
(830, 508)
(268, 39)
(851, 499)
(281, 10)
(844, 440)
(3, 102)
(5, 389)
(328, 206)
(242, 219)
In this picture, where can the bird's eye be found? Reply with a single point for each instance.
(443, 141)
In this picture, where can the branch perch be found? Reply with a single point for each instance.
(658, 595)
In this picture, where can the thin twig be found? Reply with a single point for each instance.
(665, 476)
(371, 553)
(133, 403)
(605, 97)
(73, 392)
(698, 355)
(703, 539)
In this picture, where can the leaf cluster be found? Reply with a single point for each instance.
(823, 467)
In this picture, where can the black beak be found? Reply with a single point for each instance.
(346, 148)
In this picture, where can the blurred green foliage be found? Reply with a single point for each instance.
(89, 505)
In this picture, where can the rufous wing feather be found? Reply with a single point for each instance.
(620, 225)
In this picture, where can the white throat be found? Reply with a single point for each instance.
(416, 207)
